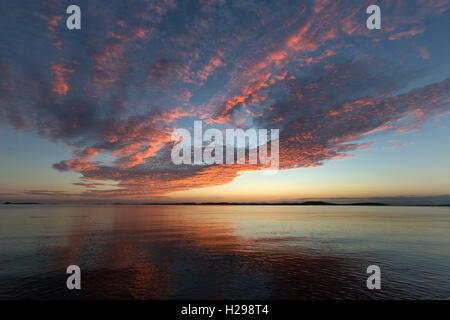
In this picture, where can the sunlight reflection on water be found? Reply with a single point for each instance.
(224, 252)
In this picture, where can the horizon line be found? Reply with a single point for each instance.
(304, 203)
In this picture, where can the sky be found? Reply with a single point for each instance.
(88, 115)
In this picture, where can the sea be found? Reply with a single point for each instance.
(224, 252)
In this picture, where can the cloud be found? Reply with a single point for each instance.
(164, 70)
(60, 81)
(115, 94)
(395, 144)
(46, 193)
(406, 34)
(306, 141)
(424, 53)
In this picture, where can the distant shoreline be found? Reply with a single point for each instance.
(306, 203)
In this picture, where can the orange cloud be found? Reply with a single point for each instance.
(60, 81)
(407, 34)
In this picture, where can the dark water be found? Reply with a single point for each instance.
(224, 252)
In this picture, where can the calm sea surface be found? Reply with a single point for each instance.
(224, 252)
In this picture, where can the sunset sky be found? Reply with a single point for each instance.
(88, 114)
